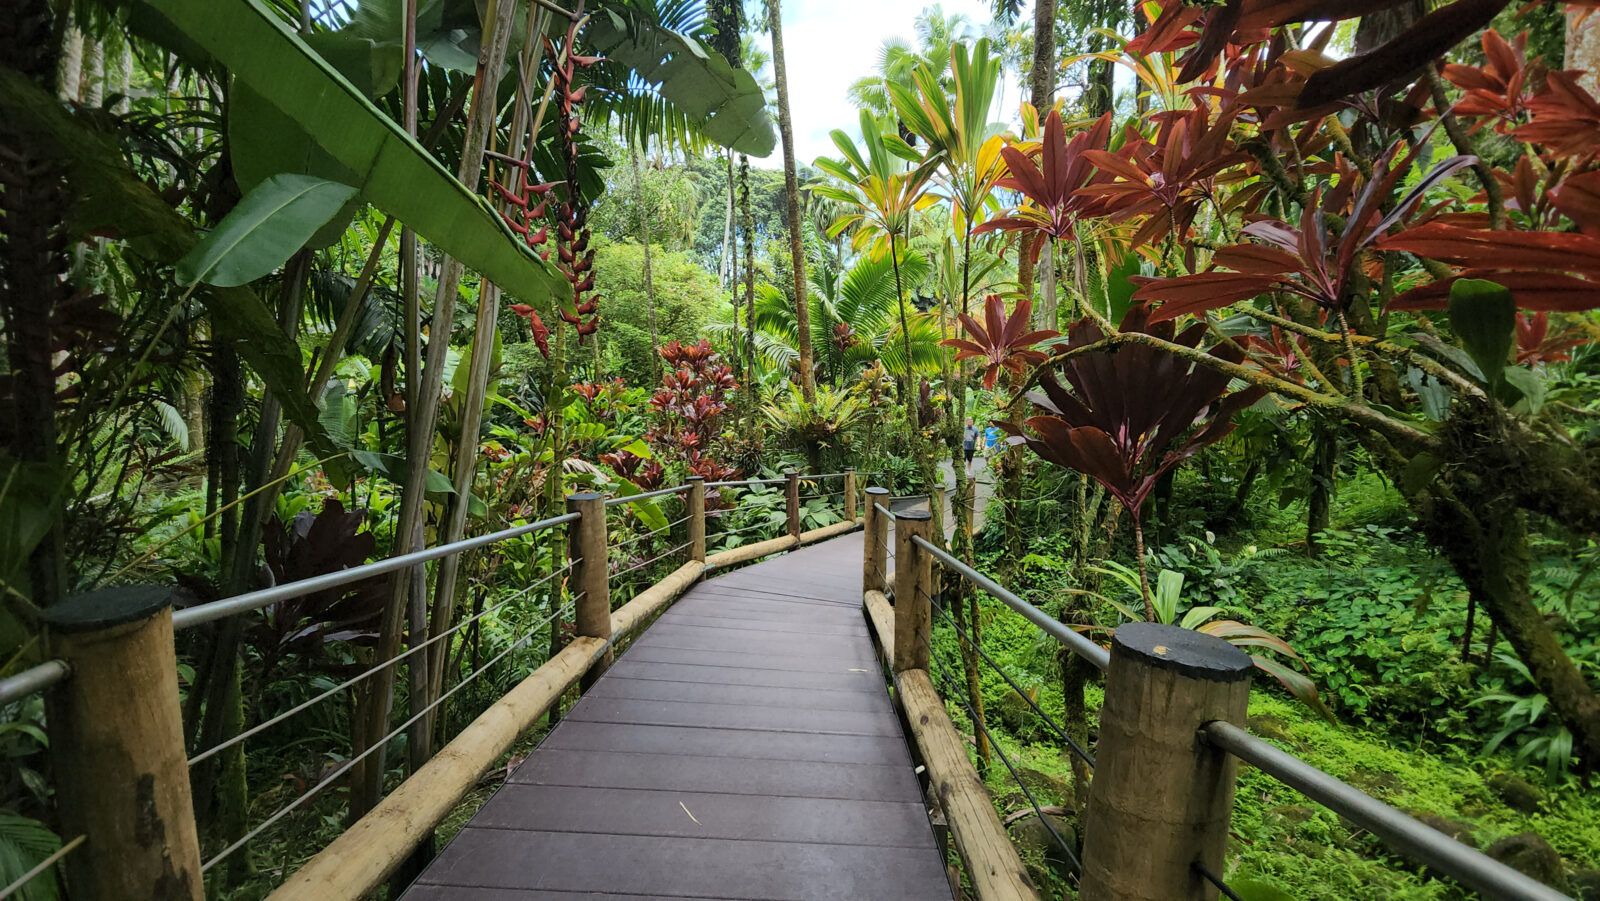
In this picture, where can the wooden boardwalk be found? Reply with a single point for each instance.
(744, 746)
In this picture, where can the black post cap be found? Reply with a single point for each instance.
(1191, 653)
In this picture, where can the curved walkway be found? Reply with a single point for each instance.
(744, 746)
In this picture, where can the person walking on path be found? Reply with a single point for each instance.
(969, 443)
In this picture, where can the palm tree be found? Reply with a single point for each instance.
(791, 185)
(883, 194)
(898, 58)
(853, 321)
(966, 149)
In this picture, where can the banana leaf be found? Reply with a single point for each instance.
(391, 170)
(725, 103)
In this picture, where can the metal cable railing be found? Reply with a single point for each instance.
(645, 496)
(952, 689)
(643, 535)
(644, 563)
(1206, 874)
(32, 680)
(333, 777)
(368, 673)
(1061, 733)
(1416, 840)
(1399, 831)
(1058, 630)
(42, 867)
(255, 600)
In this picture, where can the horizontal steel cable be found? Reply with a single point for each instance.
(1056, 629)
(40, 867)
(1221, 886)
(1054, 727)
(660, 556)
(643, 535)
(755, 525)
(953, 691)
(333, 777)
(645, 496)
(307, 704)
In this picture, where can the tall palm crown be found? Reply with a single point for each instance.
(882, 192)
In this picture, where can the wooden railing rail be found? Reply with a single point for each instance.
(1170, 740)
(115, 716)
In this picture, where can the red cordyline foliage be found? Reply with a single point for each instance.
(1264, 83)
(574, 257)
(1005, 342)
(1535, 344)
(689, 407)
(1134, 413)
(1055, 203)
(1303, 260)
(1166, 181)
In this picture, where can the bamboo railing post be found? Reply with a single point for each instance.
(116, 735)
(1161, 796)
(913, 592)
(850, 495)
(697, 518)
(875, 534)
(587, 544)
(792, 502)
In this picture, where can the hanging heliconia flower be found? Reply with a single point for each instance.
(575, 258)
(530, 207)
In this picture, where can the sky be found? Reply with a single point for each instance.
(830, 43)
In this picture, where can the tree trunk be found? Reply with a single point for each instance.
(1324, 469)
(750, 393)
(1048, 315)
(33, 266)
(642, 201)
(1475, 516)
(367, 784)
(728, 266)
(70, 72)
(93, 88)
(791, 188)
(1583, 48)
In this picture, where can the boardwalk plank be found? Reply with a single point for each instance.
(743, 747)
(675, 867)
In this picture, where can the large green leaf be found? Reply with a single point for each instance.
(725, 102)
(267, 227)
(391, 170)
(1483, 315)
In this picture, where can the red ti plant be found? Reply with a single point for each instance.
(689, 407)
(1166, 181)
(1005, 343)
(1052, 186)
(1132, 414)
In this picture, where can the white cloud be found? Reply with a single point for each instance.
(830, 43)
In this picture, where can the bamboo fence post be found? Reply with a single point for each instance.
(913, 592)
(850, 495)
(587, 543)
(875, 543)
(697, 518)
(116, 736)
(1161, 797)
(792, 502)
